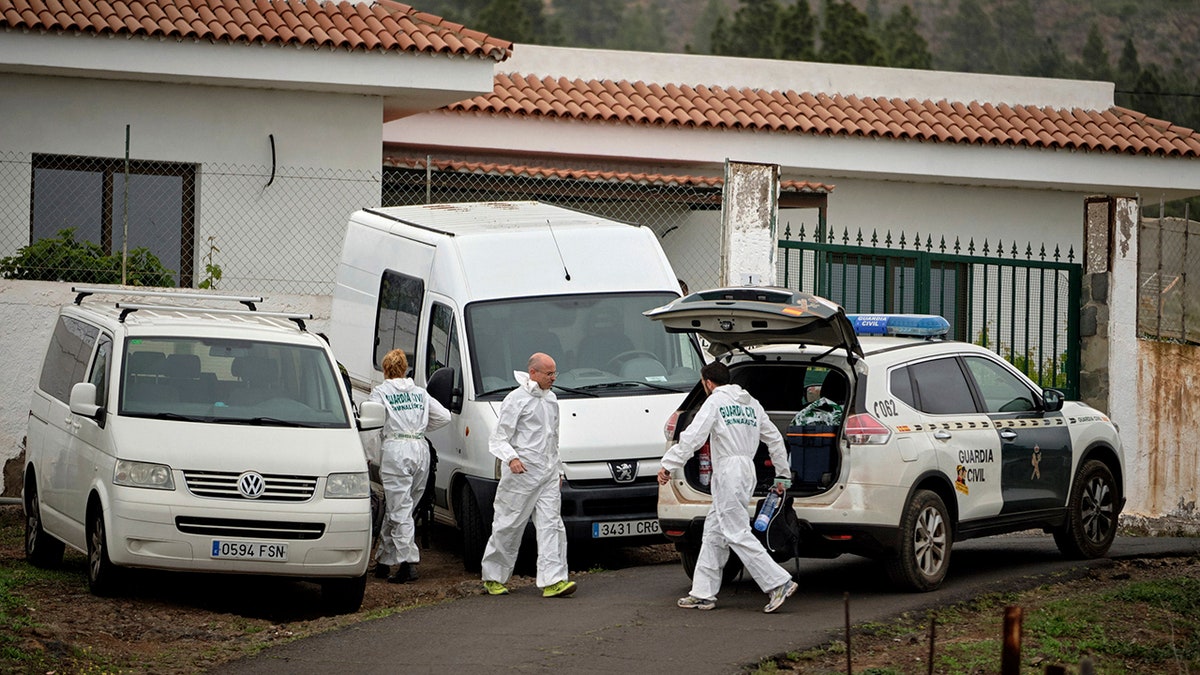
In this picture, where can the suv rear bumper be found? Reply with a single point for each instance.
(816, 540)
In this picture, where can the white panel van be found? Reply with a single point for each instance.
(196, 434)
(470, 291)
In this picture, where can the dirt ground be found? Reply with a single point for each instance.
(178, 623)
(169, 624)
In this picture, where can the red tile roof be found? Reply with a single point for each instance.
(543, 172)
(384, 25)
(1112, 130)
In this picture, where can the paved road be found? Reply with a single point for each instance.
(626, 621)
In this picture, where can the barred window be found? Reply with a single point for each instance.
(88, 194)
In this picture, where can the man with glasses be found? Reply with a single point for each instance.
(526, 442)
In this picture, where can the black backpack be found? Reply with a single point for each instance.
(782, 536)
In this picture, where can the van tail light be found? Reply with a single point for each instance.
(864, 429)
(669, 427)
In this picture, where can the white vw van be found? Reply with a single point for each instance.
(196, 434)
(470, 291)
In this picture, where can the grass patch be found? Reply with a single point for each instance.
(1145, 620)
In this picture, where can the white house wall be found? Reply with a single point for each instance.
(968, 213)
(184, 123)
(285, 236)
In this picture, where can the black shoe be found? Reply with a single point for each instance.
(412, 571)
(382, 571)
(403, 574)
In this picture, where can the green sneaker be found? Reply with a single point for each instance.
(495, 588)
(559, 590)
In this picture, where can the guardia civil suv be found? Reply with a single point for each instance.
(901, 442)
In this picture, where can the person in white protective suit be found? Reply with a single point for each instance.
(733, 422)
(404, 465)
(526, 442)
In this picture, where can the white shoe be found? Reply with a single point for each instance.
(779, 594)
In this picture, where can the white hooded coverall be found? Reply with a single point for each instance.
(733, 422)
(404, 463)
(527, 429)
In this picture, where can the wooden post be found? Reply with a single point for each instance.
(846, 603)
(1010, 657)
(932, 634)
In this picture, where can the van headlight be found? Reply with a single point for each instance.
(348, 486)
(143, 475)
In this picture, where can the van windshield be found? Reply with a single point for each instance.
(602, 344)
(230, 381)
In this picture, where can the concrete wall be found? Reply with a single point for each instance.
(28, 310)
(1166, 482)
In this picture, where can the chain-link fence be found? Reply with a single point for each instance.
(1169, 279)
(227, 227)
(279, 230)
(683, 210)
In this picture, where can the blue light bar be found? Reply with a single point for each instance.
(913, 325)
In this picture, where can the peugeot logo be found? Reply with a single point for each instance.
(623, 471)
(251, 485)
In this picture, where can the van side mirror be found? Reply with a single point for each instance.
(1052, 400)
(371, 415)
(441, 387)
(83, 402)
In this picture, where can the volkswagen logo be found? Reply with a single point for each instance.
(251, 485)
(623, 471)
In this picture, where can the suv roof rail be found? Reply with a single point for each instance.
(84, 291)
(126, 308)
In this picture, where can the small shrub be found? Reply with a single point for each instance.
(61, 258)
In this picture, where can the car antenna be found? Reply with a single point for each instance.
(566, 272)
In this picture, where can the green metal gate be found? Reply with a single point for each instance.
(1023, 307)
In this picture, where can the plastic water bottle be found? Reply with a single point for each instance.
(704, 456)
(770, 503)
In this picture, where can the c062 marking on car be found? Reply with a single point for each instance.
(885, 408)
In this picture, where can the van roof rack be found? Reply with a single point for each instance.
(84, 291)
(127, 308)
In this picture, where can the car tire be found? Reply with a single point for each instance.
(343, 596)
(474, 530)
(41, 549)
(104, 578)
(689, 555)
(1091, 513)
(925, 541)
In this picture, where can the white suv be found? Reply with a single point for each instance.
(935, 441)
(197, 435)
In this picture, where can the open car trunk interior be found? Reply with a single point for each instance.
(785, 389)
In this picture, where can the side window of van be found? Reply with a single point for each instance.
(67, 357)
(442, 347)
(398, 315)
(99, 376)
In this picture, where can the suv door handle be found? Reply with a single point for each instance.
(942, 435)
(1008, 434)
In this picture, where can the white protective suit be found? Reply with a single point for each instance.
(404, 463)
(527, 429)
(734, 422)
